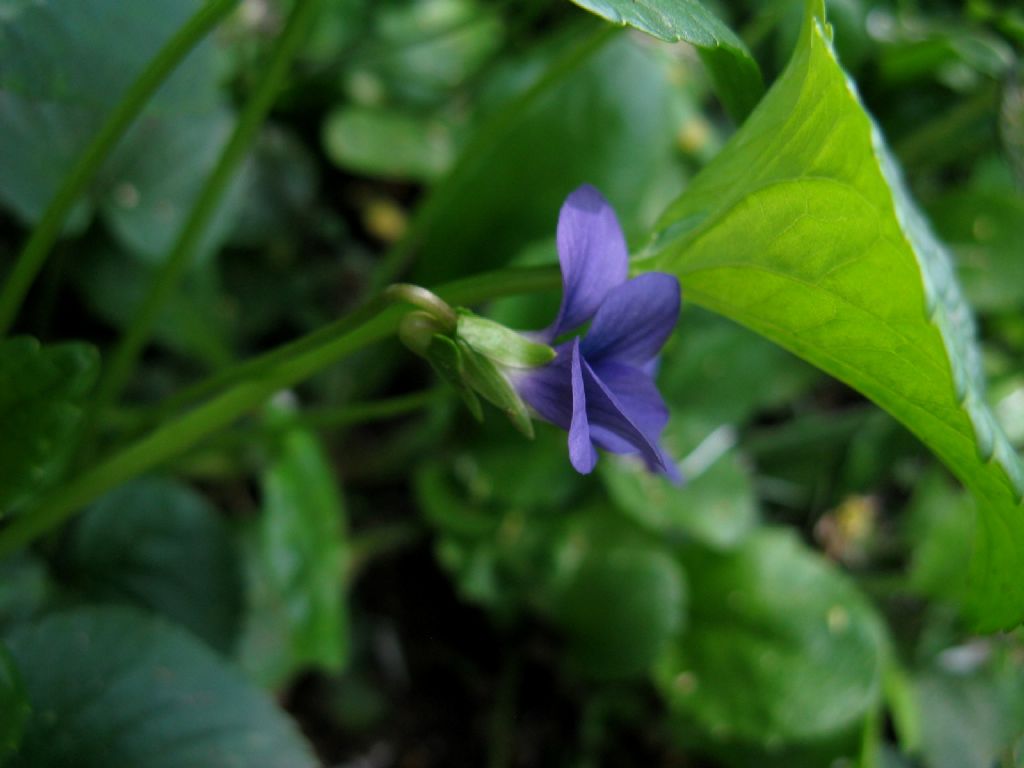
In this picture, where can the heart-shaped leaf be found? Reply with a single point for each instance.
(780, 647)
(801, 230)
(111, 686)
(161, 545)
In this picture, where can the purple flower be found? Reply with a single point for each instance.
(601, 387)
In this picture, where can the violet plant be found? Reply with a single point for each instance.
(600, 387)
(240, 525)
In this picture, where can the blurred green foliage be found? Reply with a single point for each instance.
(405, 586)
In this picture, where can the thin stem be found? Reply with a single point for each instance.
(46, 232)
(173, 438)
(125, 356)
(274, 372)
(256, 366)
(336, 417)
(870, 739)
(466, 291)
(374, 410)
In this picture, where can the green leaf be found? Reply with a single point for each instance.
(160, 545)
(733, 69)
(113, 687)
(781, 648)
(801, 230)
(621, 609)
(298, 558)
(41, 392)
(58, 83)
(388, 144)
(501, 344)
(151, 182)
(14, 708)
(46, 47)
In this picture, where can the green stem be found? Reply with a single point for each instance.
(358, 413)
(171, 439)
(467, 291)
(272, 373)
(335, 417)
(46, 232)
(125, 356)
(256, 366)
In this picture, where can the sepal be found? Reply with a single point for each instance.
(447, 359)
(484, 377)
(500, 344)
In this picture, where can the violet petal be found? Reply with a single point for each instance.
(642, 403)
(637, 393)
(582, 453)
(593, 256)
(548, 389)
(634, 320)
(612, 427)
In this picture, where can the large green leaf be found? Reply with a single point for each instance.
(735, 72)
(150, 182)
(781, 648)
(297, 561)
(116, 39)
(64, 64)
(41, 391)
(110, 688)
(801, 230)
(161, 545)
